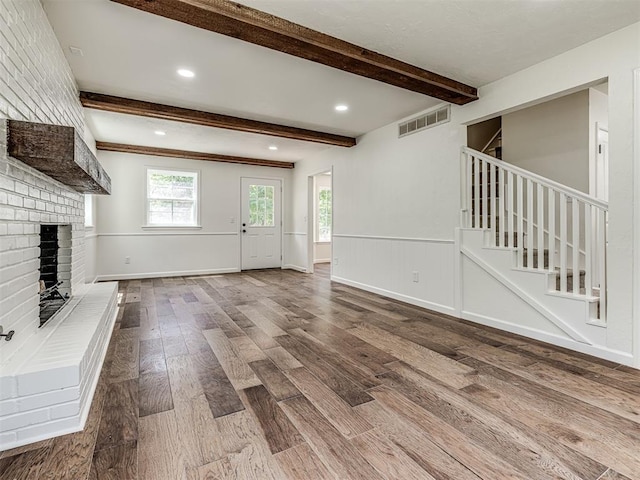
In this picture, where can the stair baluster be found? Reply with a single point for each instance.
(575, 246)
(540, 228)
(552, 229)
(510, 212)
(523, 211)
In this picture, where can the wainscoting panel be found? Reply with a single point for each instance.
(160, 254)
(390, 266)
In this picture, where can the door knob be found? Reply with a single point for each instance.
(244, 231)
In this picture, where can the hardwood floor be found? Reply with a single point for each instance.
(280, 375)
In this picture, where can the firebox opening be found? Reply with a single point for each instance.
(55, 269)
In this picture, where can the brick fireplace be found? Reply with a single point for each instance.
(47, 374)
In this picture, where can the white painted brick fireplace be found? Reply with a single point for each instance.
(48, 374)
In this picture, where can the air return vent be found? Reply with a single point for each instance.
(427, 120)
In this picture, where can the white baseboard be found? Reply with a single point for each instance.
(597, 351)
(185, 273)
(297, 268)
(322, 260)
(436, 307)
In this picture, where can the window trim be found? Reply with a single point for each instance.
(175, 171)
(89, 220)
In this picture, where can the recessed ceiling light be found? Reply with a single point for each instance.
(183, 72)
(160, 132)
(341, 108)
(272, 147)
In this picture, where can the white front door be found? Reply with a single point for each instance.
(261, 223)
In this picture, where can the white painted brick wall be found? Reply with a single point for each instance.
(48, 375)
(36, 84)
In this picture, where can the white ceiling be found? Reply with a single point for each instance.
(472, 41)
(135, 54)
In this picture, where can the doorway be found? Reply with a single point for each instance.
(320, 224)
(261, 231)
(602, 164)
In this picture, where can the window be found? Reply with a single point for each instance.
(172, 198)
(88, 210)
(323, 227)
(261, 208)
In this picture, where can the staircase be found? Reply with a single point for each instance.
(544, 229)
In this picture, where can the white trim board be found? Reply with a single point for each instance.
(297, 268)
(164, 234)
(636, 218)
(185, 273)
(403, 239)
(436, 307)
(597, 351)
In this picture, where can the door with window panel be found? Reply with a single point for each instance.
(261, 228)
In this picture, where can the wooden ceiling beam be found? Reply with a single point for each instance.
(208, 157)
(129, 106)
(260, 28)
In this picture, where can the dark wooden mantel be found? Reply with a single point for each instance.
(59, 152)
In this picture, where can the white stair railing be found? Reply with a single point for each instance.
(552, 227)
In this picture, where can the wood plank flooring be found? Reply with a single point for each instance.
(279, 375)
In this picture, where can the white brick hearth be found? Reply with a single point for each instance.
(46, 388)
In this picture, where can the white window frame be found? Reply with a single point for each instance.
(172, 171)
(317, 222)
(88, 211)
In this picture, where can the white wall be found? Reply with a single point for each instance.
(395, 211)
(153, 252)
(388, 191)
(551, 139)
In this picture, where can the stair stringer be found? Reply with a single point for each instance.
(570, 315)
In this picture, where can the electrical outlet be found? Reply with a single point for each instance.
(127, 260)
(416, 277)
(336, 261)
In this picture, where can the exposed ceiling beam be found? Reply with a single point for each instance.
(169, 152)
(110, 103)
(260, 28)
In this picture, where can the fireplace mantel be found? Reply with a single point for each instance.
(59, 152)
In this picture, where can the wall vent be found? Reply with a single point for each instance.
(427, 120)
